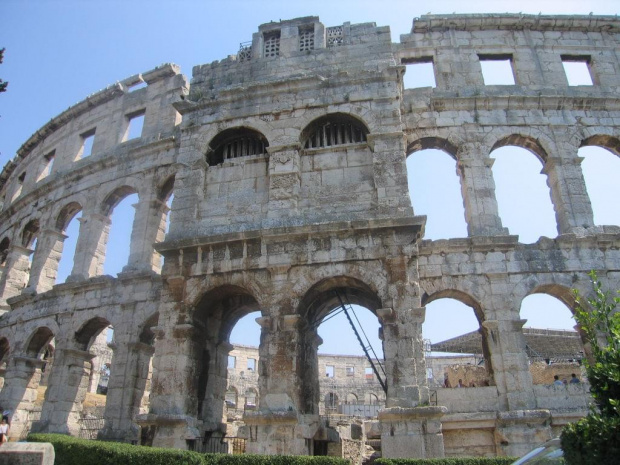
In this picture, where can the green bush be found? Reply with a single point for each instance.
(449, 461)
(248, 459)
(74, 451)
(595, 439)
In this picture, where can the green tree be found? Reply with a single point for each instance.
(3, 84)
(595, 439)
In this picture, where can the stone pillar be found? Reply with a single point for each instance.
(212, 408)
(478, 190)
(15, 275)
(149, 226)
(90, 247)
(128, 381)
(516, 431)
(573, 210)
(45, 261)
(284, 180)
(280, 427)
(390, 173)
(509, 362)
(171, 420)
(67, 387)
(20, 392)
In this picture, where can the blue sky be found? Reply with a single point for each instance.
(58, 52)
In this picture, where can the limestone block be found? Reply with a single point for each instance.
(24, 453)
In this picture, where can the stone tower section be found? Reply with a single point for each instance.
(286, 165)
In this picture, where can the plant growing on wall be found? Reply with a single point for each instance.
(595, 439)
(3, 84)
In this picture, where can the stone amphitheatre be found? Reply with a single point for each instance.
(286, 162)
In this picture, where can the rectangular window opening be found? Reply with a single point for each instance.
(306, 39)
(88, 138)
(231, 361)
(577, 69)
(47, 164)
(369, 373)
(420, 73)
(271, 46)
(329, 371)
(135, 125)
(137, 86)
(251, 364)
(350, 371)
(497, 70)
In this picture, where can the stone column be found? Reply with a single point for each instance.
(390, 173)
(212, 408)
(284, 180)
(126, 387)
(509, 362)
(45, 260)
(15, 275)
(66, 391)
(478, 190)
(20, 392)
(573, 210)
(280, 426)
(90, 248)
(149, 226)
(171, 420)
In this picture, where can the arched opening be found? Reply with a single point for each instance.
(523, 196)
(4, 352)
(332, 130)
(552, 344)
(434, 188)
(458, 350)
(218, 365)
(68, 223)
(236, 143)
(601, 170)
(95, 339)
(119, 207)
(4, 253)
(333, 357)
(165, 197)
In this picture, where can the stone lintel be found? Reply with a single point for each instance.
(462, 421)
(30, 361)
(271, 417)
(149, 419)
(518, 417)
(412, 413)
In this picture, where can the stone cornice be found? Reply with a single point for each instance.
(478, 22)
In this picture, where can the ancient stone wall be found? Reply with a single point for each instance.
(287, 164)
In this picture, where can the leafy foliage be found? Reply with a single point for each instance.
(3, 84)
(74, 451)
(449, 461)
(596, 438)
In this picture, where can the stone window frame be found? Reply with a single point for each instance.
(231, 363)
(271, 44)
(350, 370)
(586, 60)
(498, 57)
(334, 36)
(307, 38)
(423, 60)
(236, 143)
(85, 137)
(132, 117)
(330, 369)
(46, 165)
(19, 183)
(333, 131)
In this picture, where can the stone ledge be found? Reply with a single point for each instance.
(270, 418)
(27, 453)
(412, 413)
(516, 417)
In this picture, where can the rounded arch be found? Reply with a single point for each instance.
(4, 348)
(226, 305)
(562, 293)
(235, 142)
(5, 244)
(438, 143)
(37, 343)
(605, 141)
(371, 399)
(455, 294)
(89, 330)
(165, 190)
(66, 214)
(529, 143)
(29, 233)
(351, 398)
(231, 396)
(334, 129)
(115, 197)
(331, 400)
(147, 335)
(325, 295)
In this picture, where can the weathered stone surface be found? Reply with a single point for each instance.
(287, 164)
(27, 453)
